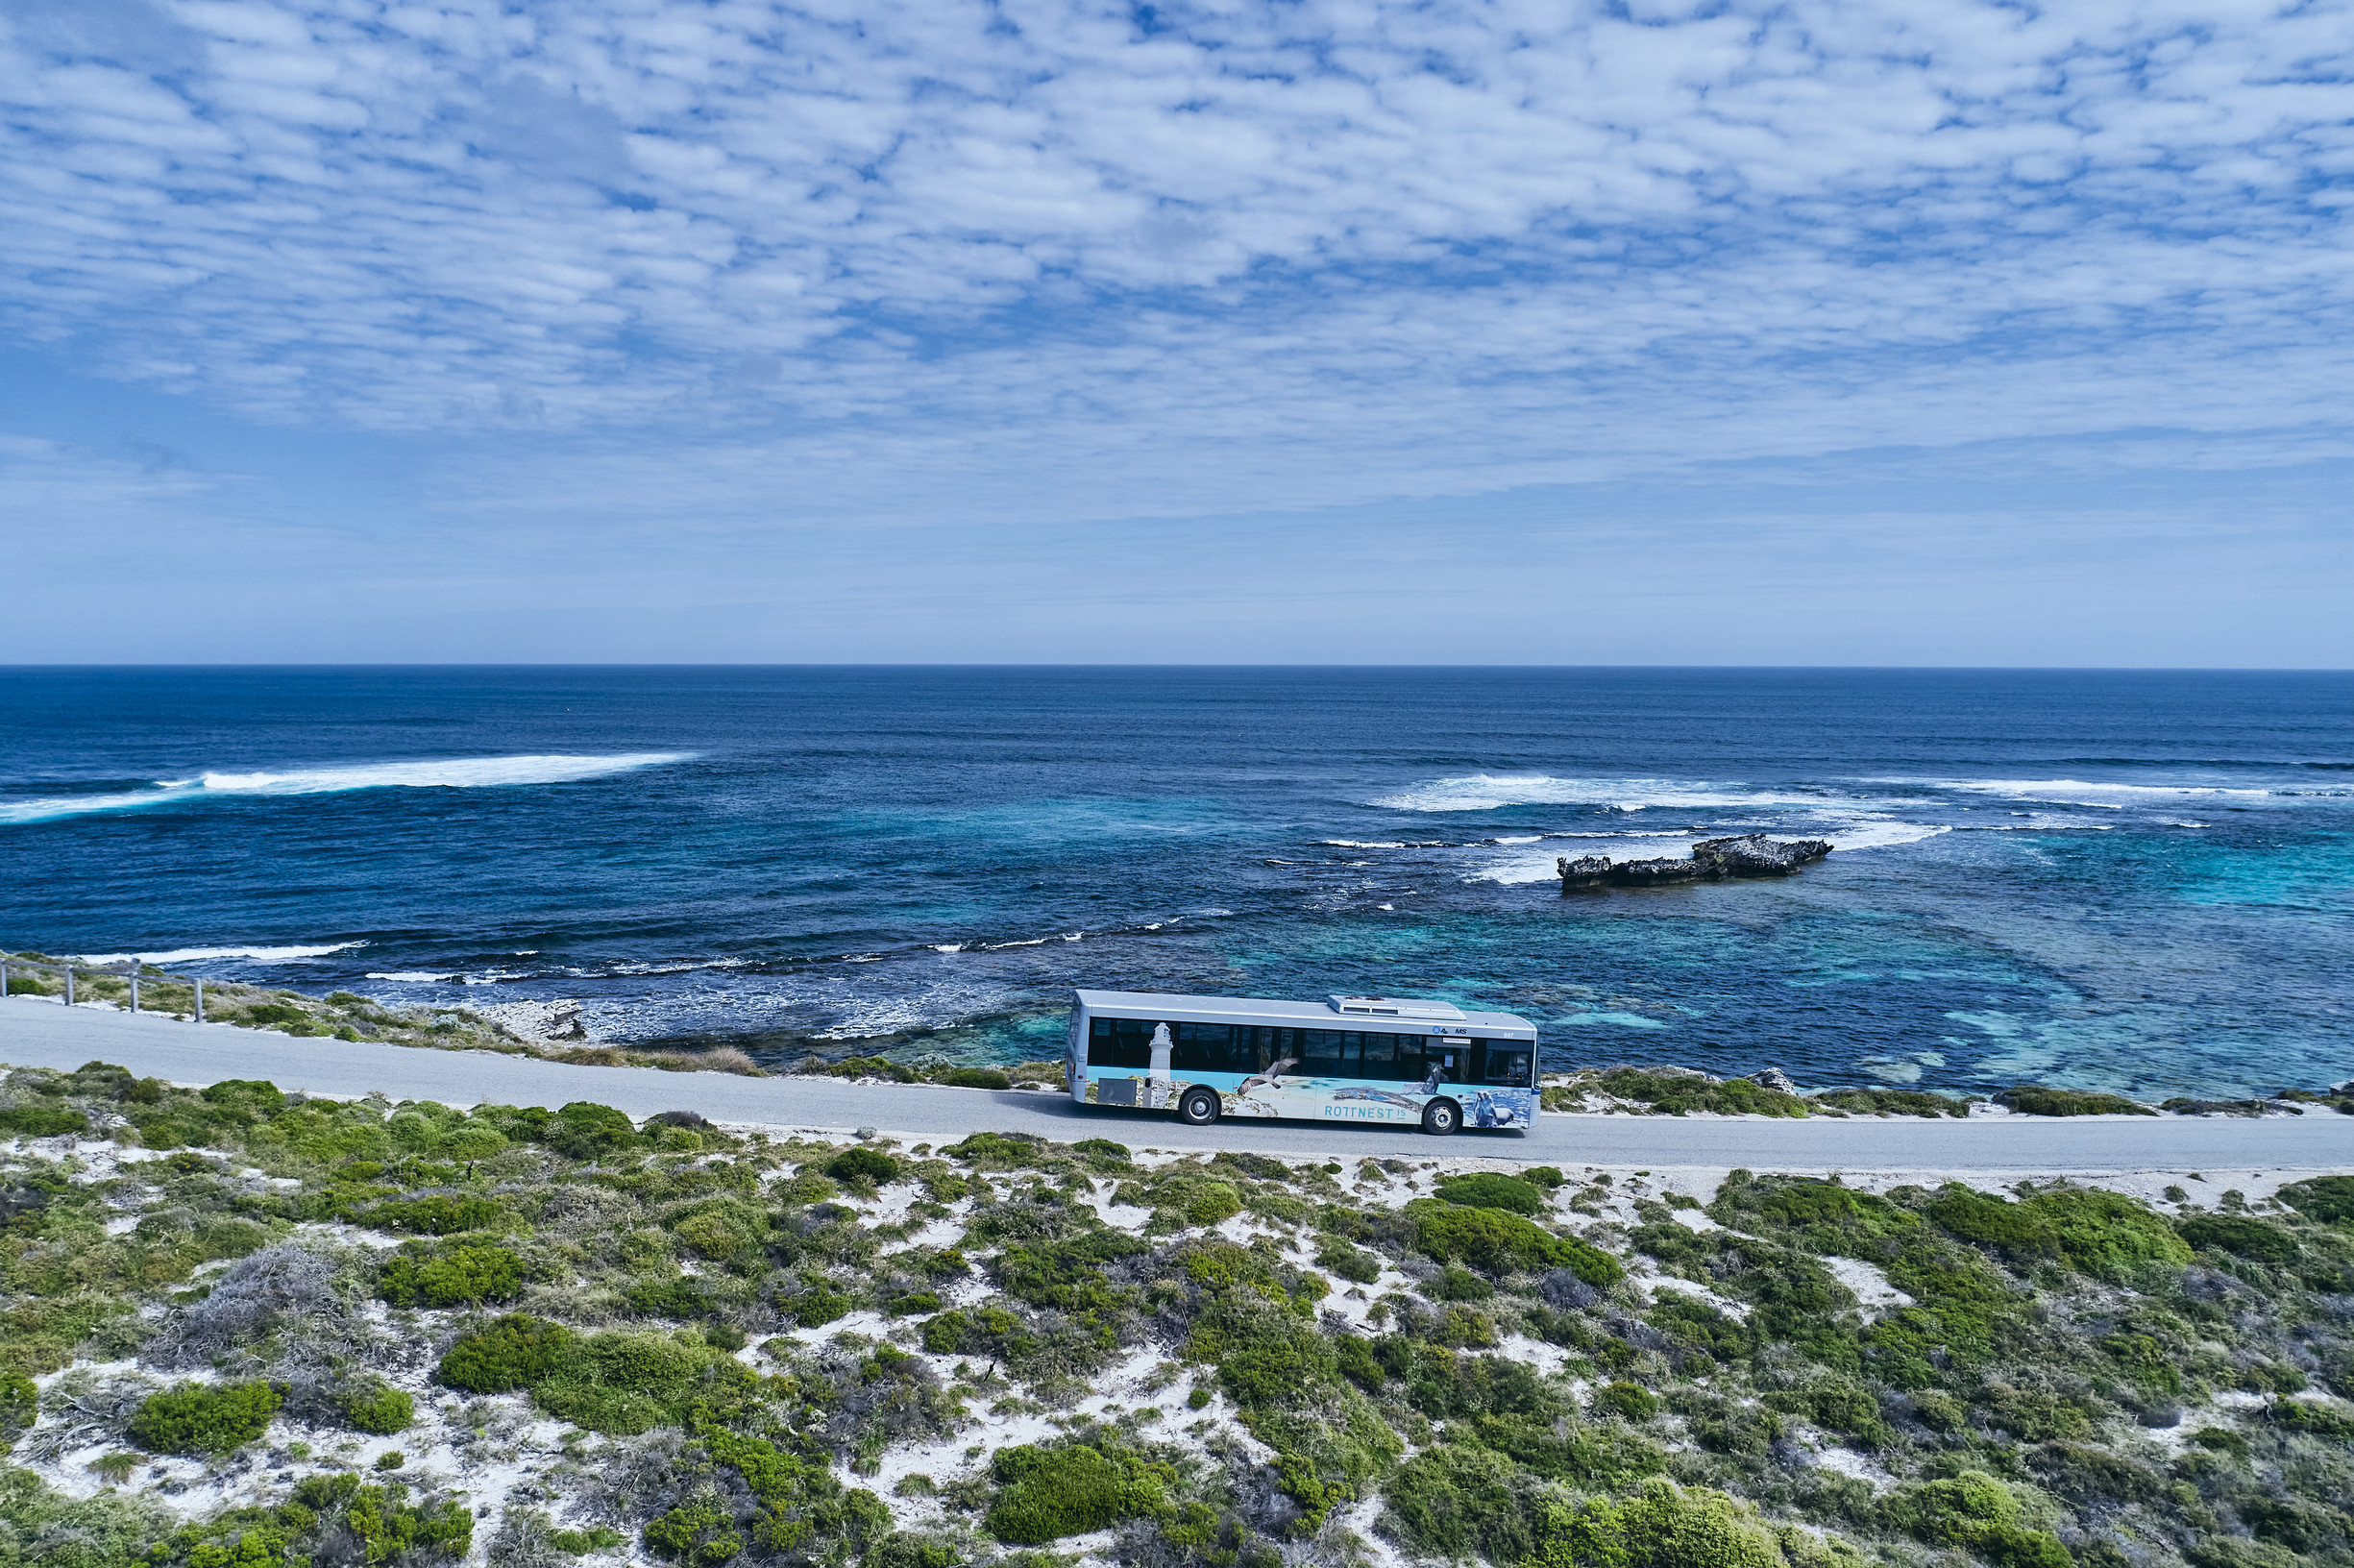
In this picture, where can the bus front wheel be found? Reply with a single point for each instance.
(1441, 1117)
(1198, 1109)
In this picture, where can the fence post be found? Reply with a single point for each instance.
(135, 990)
(200, 998)
(69, 984)
(4, 977)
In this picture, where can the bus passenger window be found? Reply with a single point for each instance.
(1202, 1048)
(1324, 1054)
(1381, 1058)
(1508, 1068)
(1120, 1043)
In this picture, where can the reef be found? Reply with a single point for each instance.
(1712, 860)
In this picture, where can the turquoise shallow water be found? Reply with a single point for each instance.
(2137, 881)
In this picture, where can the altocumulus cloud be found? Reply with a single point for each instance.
(1194, 256)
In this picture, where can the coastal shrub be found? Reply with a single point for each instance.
(2020, 1234)
(2243, 1237)
(1213, 1203)
(197, 1418)
(1671, 1093)
(1495, 1242)
(437, 1213)
(1665, 1526)
(1544, 1176)
(274, 1014)
(1890, 1102)
(2326, 1198)
(1487, 1189)
(42, 1121)
(2035, 1101)
(514, 1352)
(1457, 1500)
(1455, 1283)
(626, 1383)
(1977, 1513)
(1049, 1493)
(863, 1164)
(698, 1534)
(1631, 1400)
(465, 1276)
(999, 1151)
(1349, 1263)
(1102, 1151)
(2106, 1234)
(380, 1409)
(814, 1308)
(973, 1078)
(723, 1229)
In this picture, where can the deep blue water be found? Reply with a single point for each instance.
(2126, 880)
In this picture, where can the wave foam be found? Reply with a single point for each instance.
(198, 955)
(455, 774)
(1488, 792)
(2082, 792)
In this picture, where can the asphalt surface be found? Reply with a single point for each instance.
(36, 1031)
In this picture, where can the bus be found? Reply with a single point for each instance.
(1357, 1059)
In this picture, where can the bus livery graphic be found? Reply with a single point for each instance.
(1363, 1059)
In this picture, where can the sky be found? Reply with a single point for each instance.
(1922, 331)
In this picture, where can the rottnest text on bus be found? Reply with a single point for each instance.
(1363, 1059)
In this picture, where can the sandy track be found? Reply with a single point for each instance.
(34, 1032)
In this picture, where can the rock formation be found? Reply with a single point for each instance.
(1712, 860)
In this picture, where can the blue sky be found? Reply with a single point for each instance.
(1903, 332)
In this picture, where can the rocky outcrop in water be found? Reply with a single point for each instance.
(1712, 860)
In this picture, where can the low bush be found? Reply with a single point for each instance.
(1347, 1262)
(1487, 1189)
(42, 1121)
(203, 1419)
(863, 1164)
(1049, 1493)
(1890, 1102)
(2326, 1198)
(436, 1214)
(514, 1352)
(1631, 1400)
(460, 1277)
(1664, 1526)
(973, 1078)
(1977, 1513)
(1455, 1499)
(1497, 1242)
(2035, 1101)
(380, 1410)
(2243, 1237)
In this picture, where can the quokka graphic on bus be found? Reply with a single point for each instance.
(1360, 1059)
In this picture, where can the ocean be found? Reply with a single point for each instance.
(2141, 882)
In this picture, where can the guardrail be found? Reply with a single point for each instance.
(129, 969)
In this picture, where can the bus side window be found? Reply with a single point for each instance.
(1381, 1058)
(1120, 1043)
(1507, 1067)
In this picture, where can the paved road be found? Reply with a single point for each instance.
(37, 1033)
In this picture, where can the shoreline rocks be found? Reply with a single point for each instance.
(1712, 860)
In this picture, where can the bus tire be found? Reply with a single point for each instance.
(1197, 1108)
(1441, 1117)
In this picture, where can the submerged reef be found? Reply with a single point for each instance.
(1712, 860)
(251, 1330)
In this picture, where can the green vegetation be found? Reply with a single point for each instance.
(42, 1121)
(1048, 1493)
(463, 1276)
(1487, 1189)
(1337, 1354)
(2033, 1100)
(202, 1419)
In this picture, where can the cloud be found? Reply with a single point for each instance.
(1088, 259)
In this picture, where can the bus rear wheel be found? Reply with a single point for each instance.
(1441, 1117)
(1199, 1108)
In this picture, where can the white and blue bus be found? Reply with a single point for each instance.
(1365, 1059)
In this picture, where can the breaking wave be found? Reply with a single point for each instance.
(456, 773)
